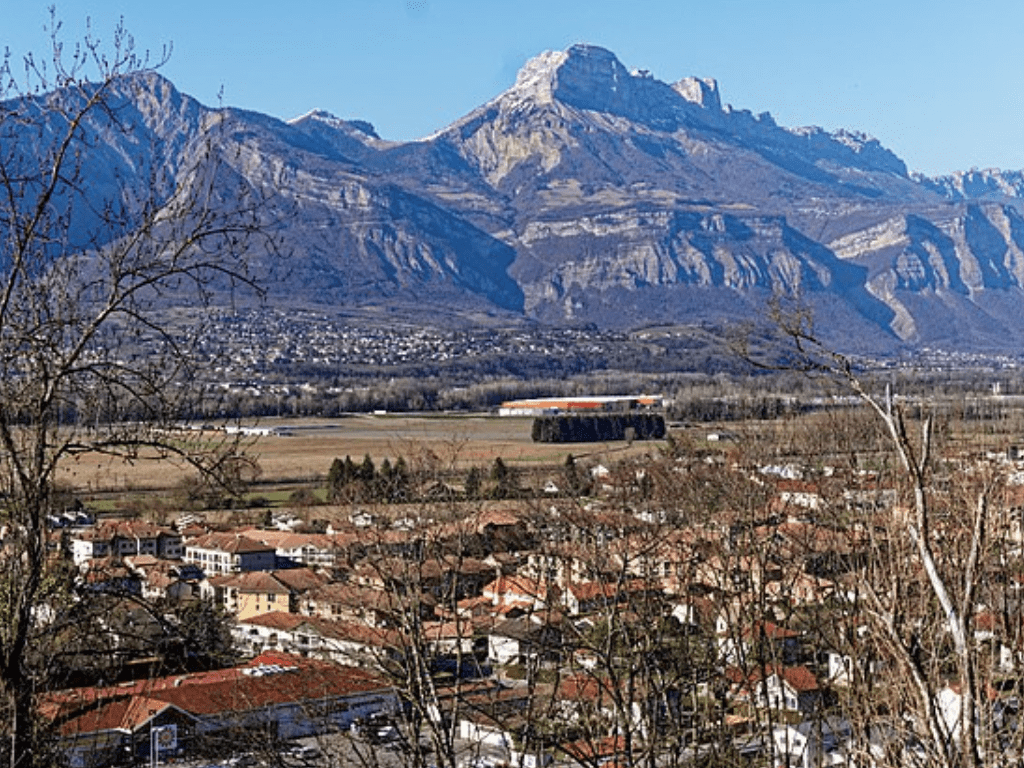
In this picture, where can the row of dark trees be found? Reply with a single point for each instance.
(734, 409)
(596, 428)
(364, 482)
(395, 483)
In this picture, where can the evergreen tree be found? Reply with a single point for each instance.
(336, 480)
(473, 483)
(351, 471)
(400, 480)
(367, 471)
(503, 479)
(384, 484)
(575, 483)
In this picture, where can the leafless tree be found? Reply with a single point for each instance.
(931, 583)
(99, 233)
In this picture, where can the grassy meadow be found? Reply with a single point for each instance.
(303, 453)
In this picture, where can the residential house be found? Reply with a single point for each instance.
(695, 615)
(761, 641)
(519, 641)
(251, 593)
(222, 553)
(444, 577)
(593, 699)
(165, 579)
(122, 538)
(448, 644)
(817, 549)
(448, 577)
(595, 596)
(502, 530)
(110, 575)
(313, 550)
(565, 564)
(797, 588)
(471, 607)
(668, 559)
(736, 575)
(343, 642)
(1002, 707)
(366, 605)
(601, 751)
(458, 645)
(787, 688)
(521, 591)
(812, 743)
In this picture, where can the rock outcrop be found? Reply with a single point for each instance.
(589, 193)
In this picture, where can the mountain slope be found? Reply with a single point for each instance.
(587, 193)
(629, 197)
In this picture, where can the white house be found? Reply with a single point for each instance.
(315, 550)
(347, 643)
(123, 538)
(520, 590)
(220, 553)
(516, 641)
(813, 743)
(789, 688)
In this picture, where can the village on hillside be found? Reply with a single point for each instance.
(691, 607)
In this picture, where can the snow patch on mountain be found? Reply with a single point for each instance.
(323, 117)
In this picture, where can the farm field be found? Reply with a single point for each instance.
(305, 450)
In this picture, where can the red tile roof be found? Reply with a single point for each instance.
(232, 543)
(269, 679)
(347, 631)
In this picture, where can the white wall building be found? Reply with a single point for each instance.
(222, 553)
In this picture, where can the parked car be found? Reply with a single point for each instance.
(300, 753)
(376, 730)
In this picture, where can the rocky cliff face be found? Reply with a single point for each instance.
(978, 185)
(588, 193)
(630, 201)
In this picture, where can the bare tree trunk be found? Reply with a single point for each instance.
(83, 266)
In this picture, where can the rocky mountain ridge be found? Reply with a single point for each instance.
(587, 193)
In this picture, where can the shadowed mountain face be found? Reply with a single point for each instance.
(588, 193)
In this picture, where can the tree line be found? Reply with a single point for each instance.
(594, 428)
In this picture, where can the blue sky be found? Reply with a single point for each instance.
(940, 82)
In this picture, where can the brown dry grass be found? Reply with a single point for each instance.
(443, 442)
